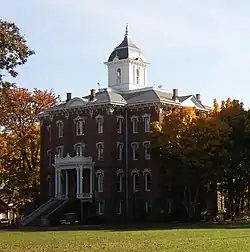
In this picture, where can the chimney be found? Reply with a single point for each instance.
(175, 94)
(198, 97)
(68, 97)
(92, 95)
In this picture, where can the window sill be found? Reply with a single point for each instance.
(80, 134)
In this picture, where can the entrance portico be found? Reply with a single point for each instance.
(74, 177)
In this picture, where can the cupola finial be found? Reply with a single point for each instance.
(126, 30)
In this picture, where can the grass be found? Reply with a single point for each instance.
(172, 240)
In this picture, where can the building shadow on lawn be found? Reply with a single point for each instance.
(136, 227)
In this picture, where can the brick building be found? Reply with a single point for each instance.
(95, 150)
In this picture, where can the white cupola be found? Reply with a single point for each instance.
(127, 67)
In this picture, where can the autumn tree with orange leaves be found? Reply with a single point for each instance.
(20, 142)
(192, 146)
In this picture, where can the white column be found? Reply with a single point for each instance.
(67, 183)
(77, 181)
(56, 182)
(80, 177)
(59, 184)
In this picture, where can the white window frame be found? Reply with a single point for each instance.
(99, 120)
(79, 149)
(79, 126)
(146, 146)
(119, 147)
(59, 151)
(135, 124)
(120, 208)
(135, 173)
(100, 151)
(119, 121)
(147, 172)
(100, 207)
(135, 147)
(148, 206)
(119, 76)
(146, 123)
(100, 180)
(120, 174)
(59, 125)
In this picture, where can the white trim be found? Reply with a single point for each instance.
(146, 173)
(119, 171)
(99, 120)
(119, 146)
(82, 145)
(135, 147)
(79, 127)
(119, 119)
(100, 210)
(148, 206)
(120, 174)
(79, 118)
(59, 125)
(100, 151)
(146, 123)
(147, 154)
(61, 148)
(135, 173)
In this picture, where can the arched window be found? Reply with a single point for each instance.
(100, 180)
(138, 76)
(79, 149)
(118, 76)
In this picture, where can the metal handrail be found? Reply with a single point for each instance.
(36, 211)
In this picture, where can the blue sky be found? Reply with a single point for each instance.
(196, 46)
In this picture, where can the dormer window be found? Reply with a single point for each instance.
(119, 120)
(99, 120)
(137, 76)
(118, 76)
(59, 151)
(146, 120)
(134, 121)
(79, 125)
(59, 125)
(147, 153)
(79, 149)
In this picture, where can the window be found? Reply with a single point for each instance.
(100, 207)
(134, 120)
(135, 180)
(49, 132)
(100, 180)
(99, 120)
(59, 151)
(146, 146)
(60, 128)
(135, 147)
(119, 150)
(119, 77)
(147, 180)
(100, 151)
(49, 156)
(137, 76)
(79, 149)
(79, 127)
(119, 120)
(120, 175)
(148, 207)
(146, 119)
(119, 208)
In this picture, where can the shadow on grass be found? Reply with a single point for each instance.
(135, 227)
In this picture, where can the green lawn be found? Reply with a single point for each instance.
(181, 240)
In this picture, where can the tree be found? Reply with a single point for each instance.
(193, 144)
(13, 50)
(20, 138)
